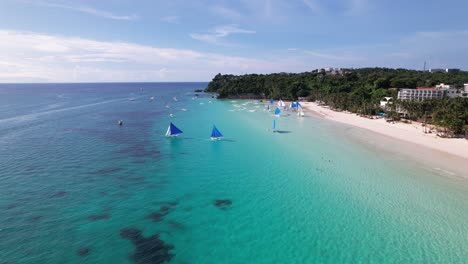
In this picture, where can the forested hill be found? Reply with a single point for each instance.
(370, 84)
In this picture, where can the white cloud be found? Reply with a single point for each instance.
(171, 19)
(35, 57)
(345, 7)
(357, 7)
(220, 32)
(28, 56)
(81, 8)
(337, 56)
(312, 5)
(226, 12)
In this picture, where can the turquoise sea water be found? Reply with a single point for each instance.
(77, 188)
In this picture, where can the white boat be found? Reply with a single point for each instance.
(173, 131)
(281, 104)
(216, 134)
(277, 111)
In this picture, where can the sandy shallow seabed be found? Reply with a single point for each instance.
(448, 156)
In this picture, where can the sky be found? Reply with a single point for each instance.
(175, 40)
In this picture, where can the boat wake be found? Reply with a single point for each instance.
(28, 117)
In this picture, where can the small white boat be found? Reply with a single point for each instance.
(175, 98)
(216, 134)
(173, 131)
(277, 111)
(152, 98)
(183, 109)
(171, 115)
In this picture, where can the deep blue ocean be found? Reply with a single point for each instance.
(77, 188)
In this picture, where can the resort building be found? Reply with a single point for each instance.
(449, 90)
(444, 70)
(444, 86)
(385, 102)
(439, 91)
(419, 94)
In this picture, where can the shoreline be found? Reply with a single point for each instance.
(412, 133)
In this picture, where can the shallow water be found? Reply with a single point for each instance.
(76, 188)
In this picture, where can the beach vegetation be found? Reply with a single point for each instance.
(355, 90)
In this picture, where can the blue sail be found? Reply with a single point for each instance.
(293, 105)
(272, 101)
(274, 124)
(173, 130)
(299, 104)
(215, 133)
(277, 111)
(268, 107)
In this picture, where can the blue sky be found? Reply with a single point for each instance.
(153, 40)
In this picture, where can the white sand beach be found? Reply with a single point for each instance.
(413, 133)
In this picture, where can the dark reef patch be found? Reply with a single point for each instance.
(97, 217)
(131, 178)
(139, 150)
(176, 225)
(164, 210)
(58, 194)
(35, 219)
(11, 206)
(174, 203)
(32, 168)
(223, 203)
(106, 171)
(155, 216)
(83, 251)
(147, 249)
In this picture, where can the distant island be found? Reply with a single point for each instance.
(362, 91)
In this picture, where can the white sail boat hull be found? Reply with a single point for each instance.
(168, 132)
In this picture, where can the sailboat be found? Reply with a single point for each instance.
(293, 105)
(268, 108)
(173, 131)
(215, 134)
(274, 125)
(281, 103)
(277, 111)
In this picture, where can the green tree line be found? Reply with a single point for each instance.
(355, 90)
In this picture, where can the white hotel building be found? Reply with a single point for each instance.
(419, 94)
